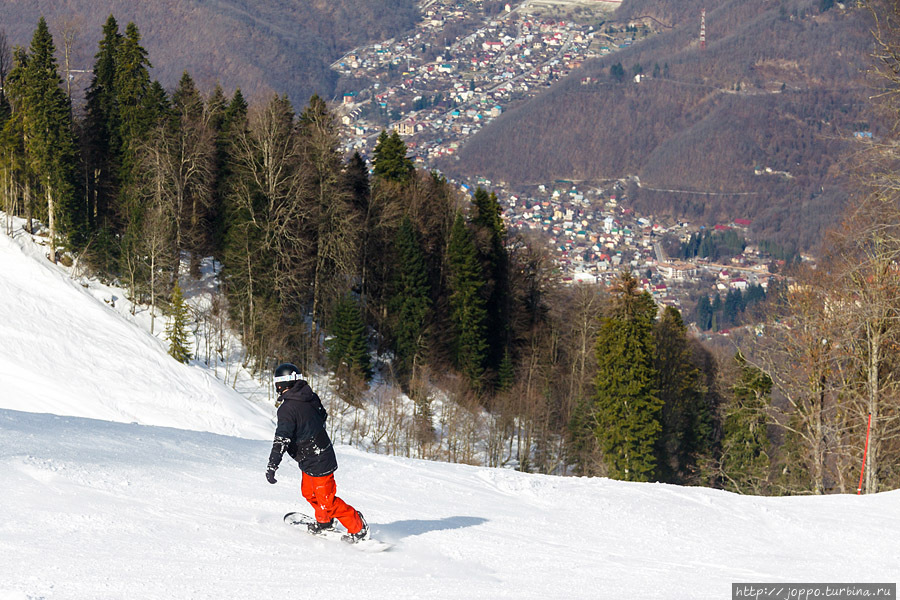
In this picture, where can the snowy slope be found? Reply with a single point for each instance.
(65, 352)
(94, 509)
(104, 498)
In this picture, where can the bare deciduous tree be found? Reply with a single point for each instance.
(864, 257)
(69, 28)
(332, 220)
(6, 58)
(804, 357)
(267, 191)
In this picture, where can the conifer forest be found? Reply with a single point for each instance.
(375, 270)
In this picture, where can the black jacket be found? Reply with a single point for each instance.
(301, 432)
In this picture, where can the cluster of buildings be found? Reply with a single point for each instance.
(437, 90)
(597, 236)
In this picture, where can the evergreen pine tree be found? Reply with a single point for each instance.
(216, 106)
(491, 234)
(357, 178)
(704, 313)
(5, 65)
(348, 348)
(626, 403)
(102, 131)
(488, 214)
(793, 473)
(237, 109)
(381, 152)
(132, 85)
(176, 332)
(156, 104)
(506, 375)
(707, 247)
(356, 181)
(755, 293)
(391, 163)
(731, 309)
(228, 127)
(745, 443)
(686, 419)
(49, 141)
(617, 73)
(715, 321)
(410, 302)
(468, 315)
(13, 158)
(5, 109)
(583, 439)
(186, 99)
(137, 114)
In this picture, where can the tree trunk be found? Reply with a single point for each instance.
(871, 477)
(29, 210)
(819, 442)
(51, 222)
(10, 204)
(152, 291)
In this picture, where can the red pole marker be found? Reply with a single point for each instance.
(865, 453)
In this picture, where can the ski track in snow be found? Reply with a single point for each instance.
(101, 497)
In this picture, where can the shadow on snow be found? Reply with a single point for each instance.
(401, 529)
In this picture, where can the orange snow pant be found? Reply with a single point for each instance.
(321, 492)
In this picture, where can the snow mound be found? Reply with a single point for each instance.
(65, 352)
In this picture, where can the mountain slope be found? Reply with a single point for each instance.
(780, 86)
(259, 46)
(104, 510)
(66, 352)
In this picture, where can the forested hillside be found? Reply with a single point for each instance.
(257, 45)
(780, 86)
(322, 264)
(392, 272)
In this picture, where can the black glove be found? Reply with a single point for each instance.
(278, 447)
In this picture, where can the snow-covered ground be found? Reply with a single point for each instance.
(93, 509)
(102, 497)
(67, 350)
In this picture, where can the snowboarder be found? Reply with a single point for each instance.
(301, 432)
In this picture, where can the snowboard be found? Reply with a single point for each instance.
(300, 521)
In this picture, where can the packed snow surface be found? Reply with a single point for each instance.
(102, 497)
(94, 509)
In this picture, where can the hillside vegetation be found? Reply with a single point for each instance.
(259, 46)
(779, 86)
